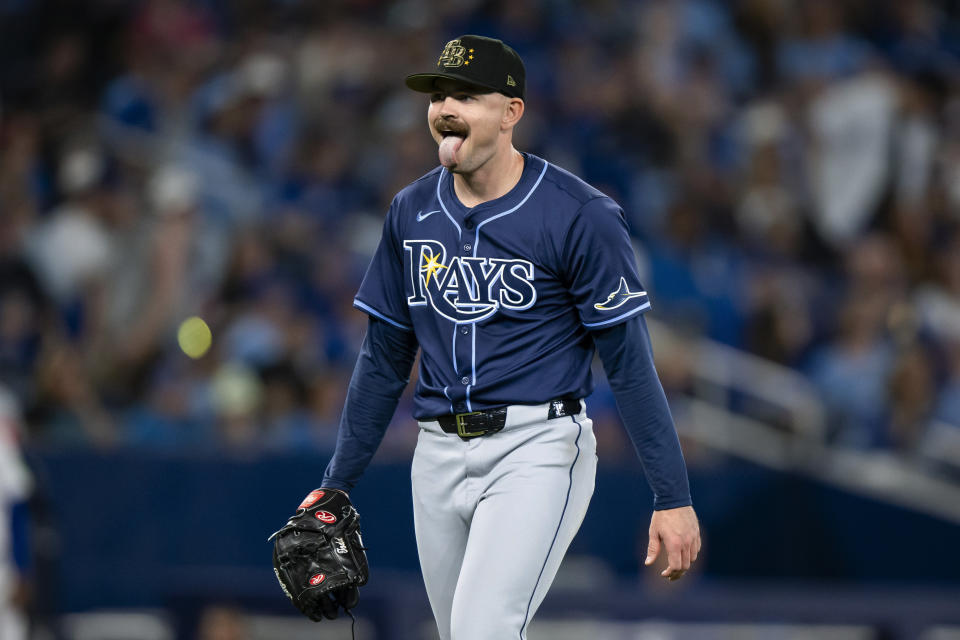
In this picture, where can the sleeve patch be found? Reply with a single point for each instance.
(618, 297)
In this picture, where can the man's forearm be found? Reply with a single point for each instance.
(628, 361)
(379, 378)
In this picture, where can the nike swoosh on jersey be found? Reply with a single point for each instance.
(619, 297)
(421, 218)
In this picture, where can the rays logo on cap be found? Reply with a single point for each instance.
(455, 55)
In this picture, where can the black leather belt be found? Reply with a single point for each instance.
(482, 423)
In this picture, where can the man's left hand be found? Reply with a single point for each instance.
(677, 531)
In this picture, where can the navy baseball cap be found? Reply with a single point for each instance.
(477, 60)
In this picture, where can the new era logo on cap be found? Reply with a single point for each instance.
(479, 61)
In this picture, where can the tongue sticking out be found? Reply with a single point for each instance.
(448, 150)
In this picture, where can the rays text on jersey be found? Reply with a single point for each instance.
(466, 289)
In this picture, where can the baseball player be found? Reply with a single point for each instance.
(507, 273)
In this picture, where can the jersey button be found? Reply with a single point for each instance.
(464, 380)
(467, 247)
(468, 224)
(464, 330)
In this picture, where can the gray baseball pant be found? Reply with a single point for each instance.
(494, 516)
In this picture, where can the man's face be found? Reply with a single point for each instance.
(466, 122)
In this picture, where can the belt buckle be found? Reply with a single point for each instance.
(461, 430)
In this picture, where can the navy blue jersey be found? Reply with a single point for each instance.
(502, 297)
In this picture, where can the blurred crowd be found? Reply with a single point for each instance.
(790, 170)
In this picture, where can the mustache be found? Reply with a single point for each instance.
(444, 125)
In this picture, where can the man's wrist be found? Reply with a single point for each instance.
(676, 503)
(337, 485)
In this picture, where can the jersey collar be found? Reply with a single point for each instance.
(530, 178)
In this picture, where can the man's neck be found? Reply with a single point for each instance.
(494, 179)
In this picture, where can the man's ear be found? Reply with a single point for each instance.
(512, 112)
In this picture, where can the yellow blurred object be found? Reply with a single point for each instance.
(194, 336)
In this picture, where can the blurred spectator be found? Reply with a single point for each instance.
(72, 251)
(821, 49)
(25, 310)
(948, 403)
(851, 371)
(771, 232)
(696, 276)
(938, 301)
(768, 215)
(269, 328)
(287, 420)
(152, 282)
(923, 39)
(237, 398)
(168, 418)
(219, 152)
(851, 124)
(912, 389)
(327, 392)
(15, 487)
(69, 410)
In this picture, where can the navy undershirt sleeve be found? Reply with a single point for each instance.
(379, 378)
(627, 357)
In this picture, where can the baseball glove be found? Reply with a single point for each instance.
(319, 557)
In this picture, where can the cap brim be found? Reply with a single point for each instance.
(426, 82)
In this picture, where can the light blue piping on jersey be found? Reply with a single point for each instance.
(443, 206)
(448, 398)
(643, 307)
(453, 349)
(536, 184)
(376, 313)
(476, 242)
